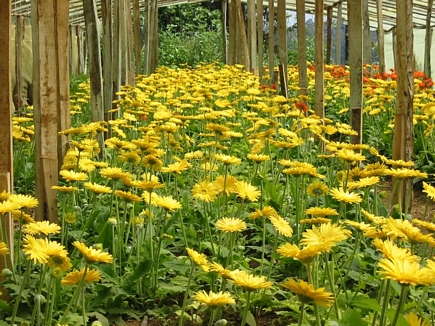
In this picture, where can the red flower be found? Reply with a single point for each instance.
(301, 106)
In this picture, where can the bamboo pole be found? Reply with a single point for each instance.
(403, 141)
(51, 98)
(6, 148)
(380, 32)
(302, 47)
(319, 98)
(271, 20)
(260, 36)
(367, 41)
(355, 19)
(106, 13)
(338, 34)
(328, 34)
(428, 40)
(282, 45)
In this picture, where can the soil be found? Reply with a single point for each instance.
(418, 210)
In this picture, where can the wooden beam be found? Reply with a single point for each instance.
(137, 37)
(260, 37)
(403, 141)
(51, 97)
(96, 78)
(380, 32)
(252, 30)
(116, 53)
(232, 31)
(6, 149)
(106, 12)
(302, 47)
(224, 15)
(271, 20)
(338, 34)
(129, 49)
(328, 35)
(282, 45)
(19, 80)
(355, 19)
(319, 96)
(428, 40)
(367, 42)
(243, 45)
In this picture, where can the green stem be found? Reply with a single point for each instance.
(20, 292)
(332, 284)
(186, 294)
(207, 222)
(301, 315)
(213, 316)
(245, 312)
(399, 304)
(385, 303)
(263, 246)
(316, 313)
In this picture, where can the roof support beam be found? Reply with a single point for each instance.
(355, 19)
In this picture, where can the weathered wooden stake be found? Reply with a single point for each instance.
(302, 47)
(338, 34)
(282, 45)
(428, 40)
(381, 47)
(271, 20)
(319, 97)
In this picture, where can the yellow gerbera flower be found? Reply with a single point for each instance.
(248, 281)
(34, 249)
(64, 188)
(226, 183)
(41, 227)
(24, 200)
(325, 234)
(306, 255)
(267, 211)
(317, 189)
(167, 203)
(8, 206)
(321, 211)
(205, 191)
(316, 220)
(92, 255)
(307, 294)
(429, 190)
(230, 224)
(414, 320)
(345, 196)
(403, 173)
(177, 167)
(97, 188)
(227, 159)
(258, 158)
(212, 299)
(247, 191)
(73, 176)
(350, 155)
(74, 277)
(390, 250)
(114, 173)
(198, 259)
(281, 225)
(4, 250)
(222, 271)
(128, 196)
(405, 272)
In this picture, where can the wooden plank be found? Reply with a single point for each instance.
(241, 29)
(6, 149)
(129, 50)
(232, 32)
(428, 40)
(260, 37)
(137, 37)
(154, 44)
(116, 53)
(51, 97)
(328, 34)
(93, 42)
(80, 50)
(282, 44)
(302, 47)
(319, 97)
(403, 141)
(338, 34)
(381, 37)
(19, 79)
(252, 29)
(122, 21)
(367, 42)
(106, 12)
(355, 19)
(224, 31)
(271, 21)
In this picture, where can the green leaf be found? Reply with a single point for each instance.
(250, 319)
(352, 317)
(103, 320)
(141, 269)
(366, 303)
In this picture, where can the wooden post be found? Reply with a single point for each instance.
(151, 37)
(154, 62)
(367, 43)
(328, 34)
(106, 13)
(96, 78)
(51, 98)
(6, 149)
(338, 34)
(260, 36)
(137, 38)
(122, 21)
(428, 40)
(19, 81)
(241, 29)
(252, 28)
(271, 19)
(282, 45)
(80, 50)
(355, 19)
(403, 142)
(381, 47)
(224, 31)
(319, 98)
(116, 52)
(129, 50)
(232, 32)
(302, 47)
